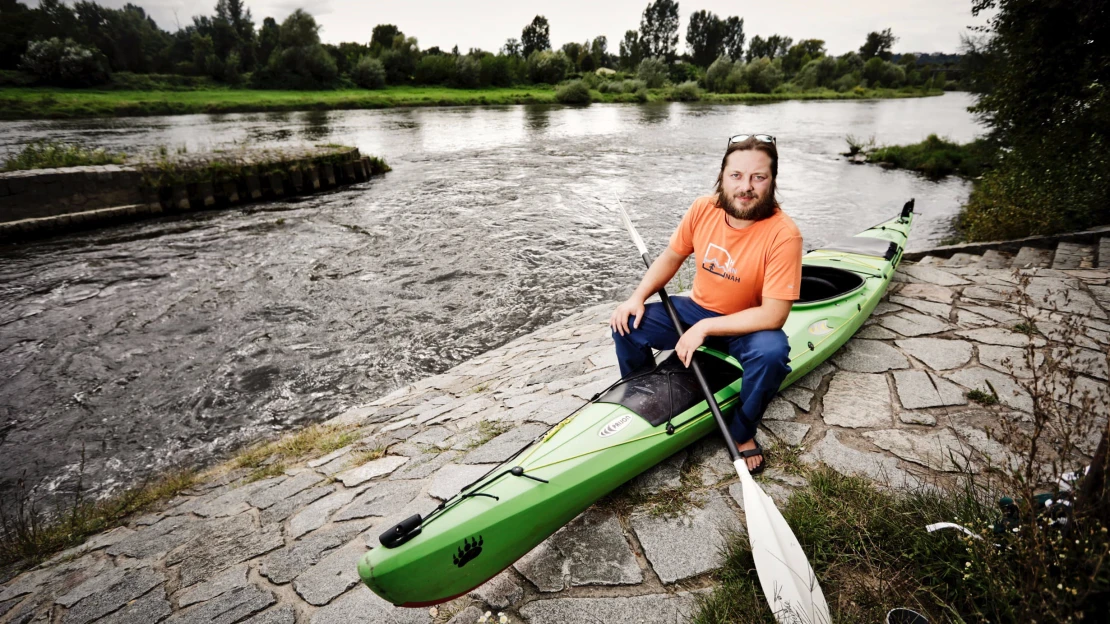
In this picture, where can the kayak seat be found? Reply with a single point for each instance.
(667, 389)
(864, 245)
(820, 283)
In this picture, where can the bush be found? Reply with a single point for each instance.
(686, 92)
(716, 77)
(683, 72)
(846, 82)
(653, 71)
(548, 67)
(434, 69)
(64, 63)
(735, 82)
(573, 92)
(468, 72)
(500, 70)
(369, 73)
(763, 75)
(303, 67)
(818, 73)
(936, 157)
(47, 155)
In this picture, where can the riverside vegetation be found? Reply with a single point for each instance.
(118, 62)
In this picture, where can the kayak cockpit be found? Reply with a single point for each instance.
(669, 388)
(821, 284)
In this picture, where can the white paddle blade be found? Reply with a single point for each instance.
(784, 572)
(631, 229)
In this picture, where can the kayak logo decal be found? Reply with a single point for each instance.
(821, 328)
(469, 551)
(718, 261)
(615, 425)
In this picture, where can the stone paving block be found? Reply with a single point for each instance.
(282, 566)
(940, 450)
(939, 310)
(858, 400)
(435, 437)
(503, 446)
(790, 433)
(780, 409)
(710, 460)
(650, 609)
(875, 332)
(96, 542)
(799, 396)
(424, 465)
(232, 578)
(999, 336)
(869, 356)
(918, 418)
(26, 583)
(221, 545)
(450, 479)
(690, 544)
(381, 499)
(937, 353)
(812, 380)
(589, 550)
(234, 501)
(469, 615)
(965, 319)
(227, 608)
(151, 607)
(315, 515)
(281, 614)
(128, 587)
(1009, 360)
(931, 275)
(157, 539)
(920, 389)
(999, 314)
(500, 592)
(287, 488)
(362, 605)
(371, 469)
(556, 373)
(666, 475)
(332, 576)
(287, 507)
(1010, 393)
(927, 292)
(910, 324)
(850, 462)
(885, 307)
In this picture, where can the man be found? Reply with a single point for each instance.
(748, 256)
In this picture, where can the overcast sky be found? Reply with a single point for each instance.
(933, 26)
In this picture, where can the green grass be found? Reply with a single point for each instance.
(56, 103)
(982, 398)
(871, 553)
(936, 157)
(51, 154)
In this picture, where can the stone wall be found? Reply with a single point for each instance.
(52, 201)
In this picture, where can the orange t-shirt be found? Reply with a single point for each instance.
(735, 269)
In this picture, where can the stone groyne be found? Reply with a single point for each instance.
(40, 202)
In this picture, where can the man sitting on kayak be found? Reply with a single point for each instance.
(748, 269)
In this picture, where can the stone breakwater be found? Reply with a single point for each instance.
(40, 202)
(891, 406)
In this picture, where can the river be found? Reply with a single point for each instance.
(172, 341)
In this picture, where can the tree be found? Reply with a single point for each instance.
(575, 52)
(705, 37)
(64, 63)
(599, 51)
(659, 29)
(801, 53)
(631, 51)
(653, 71)
(511, 47)
(382, 37)
(536, 36)
(18, 21)
(369, 73)
(770, 48)
(734, 38)
(268, 37)
(878, 44)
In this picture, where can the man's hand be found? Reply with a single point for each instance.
(689, 342)
(618, 322)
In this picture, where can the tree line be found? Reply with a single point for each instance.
(83, 44)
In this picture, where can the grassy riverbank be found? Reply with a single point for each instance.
(54, 103)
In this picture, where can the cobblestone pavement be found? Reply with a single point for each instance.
(891, 405)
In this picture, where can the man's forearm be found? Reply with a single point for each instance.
(743, 322)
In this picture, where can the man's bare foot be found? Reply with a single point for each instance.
(753, 462)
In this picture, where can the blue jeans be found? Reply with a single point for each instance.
(764, 356)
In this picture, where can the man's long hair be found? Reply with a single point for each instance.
(751, 143)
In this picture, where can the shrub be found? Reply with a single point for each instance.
(846, 82)
(369, 73)
(65, 63)
(716, 77)
(686, 92)
(653, 71)
(735, 82)
(683, 71)
(818, 73)
(573, 92)
(763, 75)
(500, 70)
(468, 72)
(434, 69)
(548, 67)
(936, 157)
(634, 86)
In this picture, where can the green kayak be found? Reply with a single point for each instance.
(638, 422)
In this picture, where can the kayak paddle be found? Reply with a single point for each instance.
(784, 572)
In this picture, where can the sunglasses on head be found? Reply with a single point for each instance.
(766, 138)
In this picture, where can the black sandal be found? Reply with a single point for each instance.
(755, 452)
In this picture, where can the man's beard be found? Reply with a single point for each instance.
(762, 209)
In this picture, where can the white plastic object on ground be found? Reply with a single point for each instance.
(950, 525)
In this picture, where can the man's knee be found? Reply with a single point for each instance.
(769, 347)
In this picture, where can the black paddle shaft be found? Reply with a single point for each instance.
(721, 424)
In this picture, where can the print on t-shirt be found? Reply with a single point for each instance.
(718, 261)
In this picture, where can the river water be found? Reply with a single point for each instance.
(172, 341)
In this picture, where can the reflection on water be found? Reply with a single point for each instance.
(173, 340)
